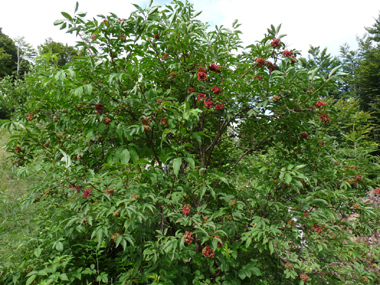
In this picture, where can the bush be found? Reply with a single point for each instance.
(145, 145)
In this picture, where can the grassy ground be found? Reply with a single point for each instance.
(14, 221)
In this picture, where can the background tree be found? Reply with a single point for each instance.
(25, 54)
(65, 53)
(325, 63)
(8, 55)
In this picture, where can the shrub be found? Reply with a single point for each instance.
(185, 206)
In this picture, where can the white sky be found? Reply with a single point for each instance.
(325, 23)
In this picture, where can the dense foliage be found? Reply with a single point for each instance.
(166, 157)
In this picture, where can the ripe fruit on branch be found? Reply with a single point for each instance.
(215, 68)
(219, 107)
(320, 104)
(324, 118)
(208, 252)
(208, 103)
(289, 266)
(163, 121)
(304, 135)
(220, 244)
(186, 210)
(87, 193)
(188, 237)
(275, 43)
(115, 236)
(202, 76)
(287, 53)
(304, 277)
(260, 62)
(275, 98)
(107, 121)
(99, 108)
(145, 121)
(216, 90)
(200, 97)
(30, 117)
(191, 90)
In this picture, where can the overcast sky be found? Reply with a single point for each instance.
(325, 23)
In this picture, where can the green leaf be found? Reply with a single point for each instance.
(63, 277)
(177, 164)
(190, 161)
(37, 252)
(133, 154)
(319, 202)
(78, 92)
(76, 7)
(271, 247)
(67, 16)
(299, 166)
(197, 14)
(66, 158)
(125, 156)
(59, 246)
(242, 274)
(334, 70)
(255, 271)
(118, 240)
(288, 178)
(58, 22)
(30, 279)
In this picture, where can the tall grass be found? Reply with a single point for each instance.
(15, 222)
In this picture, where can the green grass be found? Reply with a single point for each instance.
(15, 222)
